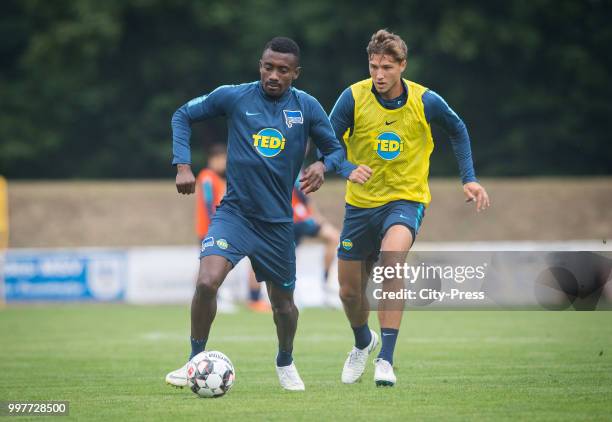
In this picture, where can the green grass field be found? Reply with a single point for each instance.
(109, 361)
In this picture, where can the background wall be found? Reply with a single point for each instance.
(137, 213)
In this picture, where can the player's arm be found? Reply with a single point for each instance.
(342, 118)
(201, 108)
(322, 135)
(438, 112)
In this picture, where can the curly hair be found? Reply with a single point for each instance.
(387, 43)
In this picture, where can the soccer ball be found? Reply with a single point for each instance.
(210, 374)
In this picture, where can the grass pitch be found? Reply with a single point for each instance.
(109, 361)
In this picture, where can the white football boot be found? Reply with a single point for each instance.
(356, 361)
(289, 378)
(178, 378)
(383, 373)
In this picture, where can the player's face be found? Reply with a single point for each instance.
(386, 74)
(278, 71)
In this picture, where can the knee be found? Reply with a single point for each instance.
(207, 285)
(283, 308)
(349, 294)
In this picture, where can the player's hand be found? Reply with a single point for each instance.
(474, 192)
(313, 177)
(185, 180)
(361, 174)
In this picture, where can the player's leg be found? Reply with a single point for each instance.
(399, 230)
(285, 318)
(395, 246)
(353, 277)
(255, 301)
(285, 315)
(273, 261)
(358, 246)
(213, 270)
(225, 245)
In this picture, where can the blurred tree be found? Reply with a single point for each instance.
(87, 88)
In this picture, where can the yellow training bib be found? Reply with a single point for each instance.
(395, 144)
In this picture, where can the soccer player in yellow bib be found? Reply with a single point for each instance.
(385, 122)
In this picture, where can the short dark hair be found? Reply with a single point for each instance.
(283, 45)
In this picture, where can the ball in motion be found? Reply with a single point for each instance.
(210, 374)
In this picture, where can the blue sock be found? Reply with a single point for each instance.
(254, 294)
(389, 336)
(197, 346)
(363, 337)
(283, 358)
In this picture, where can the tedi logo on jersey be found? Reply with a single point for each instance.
(293, 117)
(269, 142)
(388, 145)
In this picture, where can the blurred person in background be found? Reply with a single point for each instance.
(309, 223)
(210, 188)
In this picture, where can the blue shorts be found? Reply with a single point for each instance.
(269, 246)
(364, 228)
(308, 227)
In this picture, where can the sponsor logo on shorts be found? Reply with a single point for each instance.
(347, 244)
(222, 244)
(269, 142)
(388, 145)
(208, 242)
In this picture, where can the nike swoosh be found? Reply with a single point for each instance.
(402, 216)
(390, 123)
(252, 114)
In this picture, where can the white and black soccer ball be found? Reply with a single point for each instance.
(210, 374)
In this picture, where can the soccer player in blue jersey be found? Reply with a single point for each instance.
(269, 123)
(385, 121)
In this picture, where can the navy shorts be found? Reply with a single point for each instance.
(269, 246)
(308, 227)
(364, 228)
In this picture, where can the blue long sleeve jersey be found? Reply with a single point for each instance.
(266, 144)
(437, 112)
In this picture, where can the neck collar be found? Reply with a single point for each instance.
(394, 102)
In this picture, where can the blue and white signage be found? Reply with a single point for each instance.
(40, 275)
